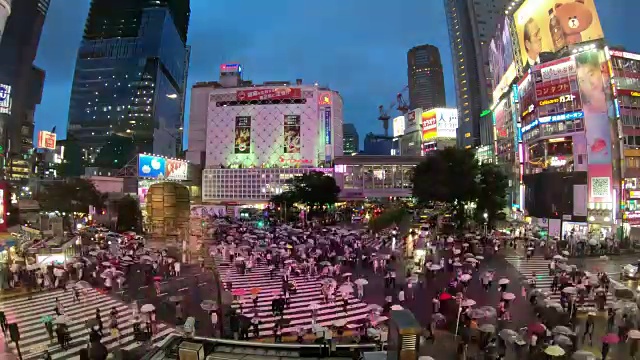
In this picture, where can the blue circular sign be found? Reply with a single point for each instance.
(4, 93)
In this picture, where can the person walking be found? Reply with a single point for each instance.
(213, 315)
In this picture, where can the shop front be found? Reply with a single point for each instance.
(58, 255)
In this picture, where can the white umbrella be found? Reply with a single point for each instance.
(634, 334)
(146, 258)
(465, 277)
(127, 258)
(106, 263)
(346, 289)
(314, 306)
(570, 290)
(468, 302)
(435, 267)
(471, 260)
(62, 319)
(396, 307)
(58, 272)
(361, 282)
(340, 323)
(558, 257)
(508, 296)
(480, 257)
(503, 281)
(146, 308)
(83, 284)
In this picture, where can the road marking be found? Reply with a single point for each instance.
(144, 286)
(162, 294)
(203, 284)
(183, 289)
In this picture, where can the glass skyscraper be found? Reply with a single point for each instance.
(130, 76)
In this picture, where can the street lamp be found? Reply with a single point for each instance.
(172, 96)
(486, 218)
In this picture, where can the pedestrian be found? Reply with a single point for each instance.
(99, 320)
(401, 297)
(176, 267)
(48, 325)
(76, 295)
(3, 322)
(605, 350)
(588, 328)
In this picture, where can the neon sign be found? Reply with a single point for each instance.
(554, 118)
(558, 100)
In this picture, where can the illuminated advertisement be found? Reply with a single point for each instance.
(413, 121)
(46, 140)
(429, 126)
(501, 62)
(230, 68)
(3, 210)
(5, 99)
(596, 95)
(500, 117)
(546, 26)
(292, 134)
(284, 93)
(556, 87)
(398, 126)
(242, 143)
(324, 99)
(157, 167)
(631, 93)
(447, 124)
(327, 126)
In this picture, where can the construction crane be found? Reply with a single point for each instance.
(400, 105)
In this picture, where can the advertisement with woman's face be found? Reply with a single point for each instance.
(593, 92)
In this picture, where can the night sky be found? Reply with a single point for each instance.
(357, 47)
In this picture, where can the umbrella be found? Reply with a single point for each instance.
(255, 291)
(583, 355)
(361, 282)
(46, 319)
(83, 284)
(570, 290)
(468, 302)
(477, 314)
(562, 330)
(425, 358)
(471, 260)
(238, 292)
(508, 296)
(537, 328)
(147, 308)
(374, 307)
(437, 317)
(445, 296)
(634, 334)
(62, 319)
(468, 255)
(558, 257)
(127, 258)
(91, 323)
(208, 305)
(435, 267)
(345, 289)
(503, 281)
(554, 351)
(175, 298)
(346, 274)
(507, 334)
(487, 328)
(465, 277)
(562, 340)
(611, 338)
(396, 307)
(340, 323)
(479, 257)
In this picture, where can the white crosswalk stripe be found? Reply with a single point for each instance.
(540, 266)
(34, 338)
(308, 291)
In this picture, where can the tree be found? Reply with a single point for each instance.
(129, 215)
(70, 196)
(116, 152)
(492, 192)
(447, 176)
(314, 189)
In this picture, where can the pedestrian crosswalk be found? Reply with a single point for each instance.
(299, 311)
(34, 338)
(538, 265)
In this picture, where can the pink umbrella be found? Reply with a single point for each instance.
(610, 338)
(238, 292)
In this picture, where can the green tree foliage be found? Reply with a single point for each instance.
(73, 163)
(129, 215)
(314, 189)
(492, 192)
(389, 217)
(69, 196)
(447, 176)
(116, 152)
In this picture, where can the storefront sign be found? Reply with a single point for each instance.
(628, 93)
(294, 161)
(325, 99)
(528, 111)
(557, 100)
(327, 126)
(564, 69)
(557, 161)
(632, 215)
(544, 90)
(634, 194)
(284, 93)
(5, 99)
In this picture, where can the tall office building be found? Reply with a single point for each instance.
(21, 84)
(426, 80)
(130, 76)
(471, 25)
(350, 139)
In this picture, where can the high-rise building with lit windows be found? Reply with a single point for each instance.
(471, 25)
(130, 76)
(425, 77)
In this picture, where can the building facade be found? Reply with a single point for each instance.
(130, 76)
(22, 83)
(377, 144)
(350, 139)
(425, 77)
(471, 25)
(439, 129)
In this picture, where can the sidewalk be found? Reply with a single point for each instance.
(13, 293)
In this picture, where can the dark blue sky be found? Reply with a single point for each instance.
(357, 47)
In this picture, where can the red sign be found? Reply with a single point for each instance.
(46, 140)
(628, 92)
(284, 93)
(325, 99)
(294, 161)
(549, 90)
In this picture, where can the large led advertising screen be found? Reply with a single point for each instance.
(501, 59)
(156, 167)
(447, 123)
(429, 126)
(546, 26)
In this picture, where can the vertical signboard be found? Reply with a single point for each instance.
(413, 121)
(292, 134)
(327, 134)
(242, 143)
(4, 197)
(595, 95)
(5, 99)
(46, 140)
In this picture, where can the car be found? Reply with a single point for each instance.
(630, 271)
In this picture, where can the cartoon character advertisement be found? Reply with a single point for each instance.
(292, 134)
(242, 143)
(544, 27)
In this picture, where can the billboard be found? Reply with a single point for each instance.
(5, 99)
(500, 118)
(46, 140)
(284, 93)
(429, 126)
(556, 87)
(598, 109)
(4, 197)
(398, 126)
(230, 68)
(447, 124)
(501, 63)
(157, 167)
(413, 121)
(546, 26)
(292, 134)
(242, 143)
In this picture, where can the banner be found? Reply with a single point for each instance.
(242, 143)
(429, 126)
(284, 93)
(292, 134)
(327, 126)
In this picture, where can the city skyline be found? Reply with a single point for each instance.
(277, 51)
